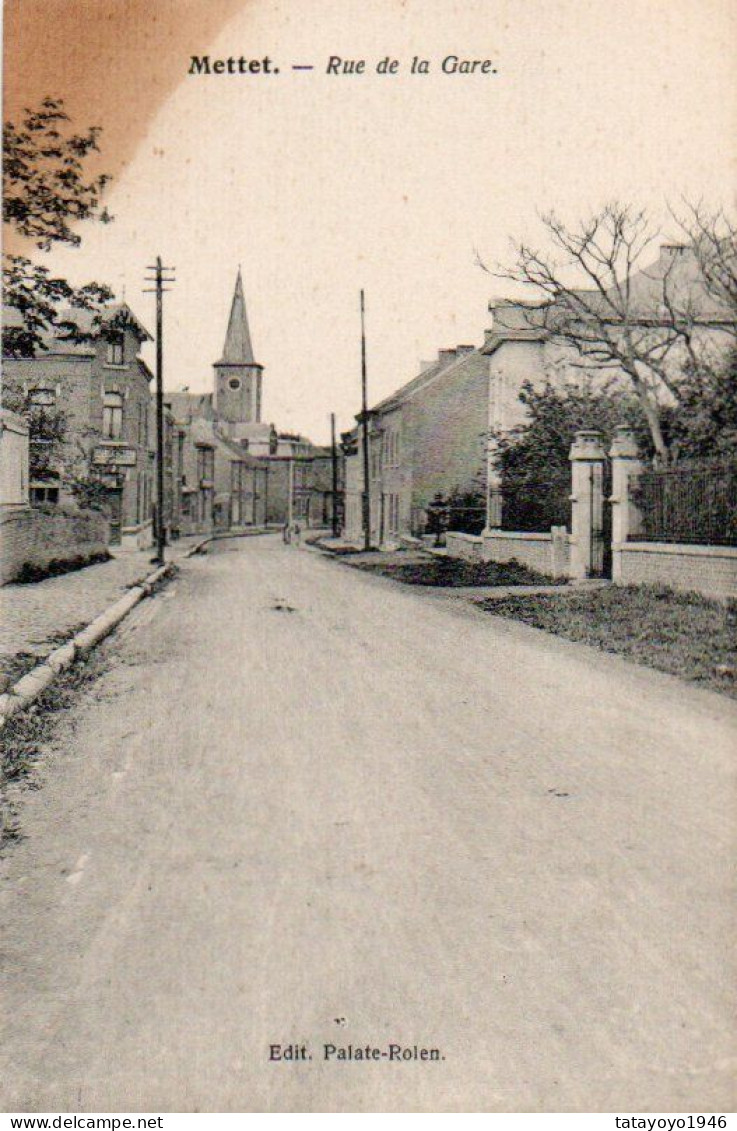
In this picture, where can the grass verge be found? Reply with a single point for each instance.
(26, 734)
(679, 633)
(13, 667)
(418, 569)
(31, 573)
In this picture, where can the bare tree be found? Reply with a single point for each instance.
(712, 233)
(596, 297)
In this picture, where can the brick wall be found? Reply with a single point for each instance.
(709, 570)
(36, 538)
(547, 553)
(14, 477)
(444, 431)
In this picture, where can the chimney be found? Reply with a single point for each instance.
(446, 356)
(669, 252)
(464, 349)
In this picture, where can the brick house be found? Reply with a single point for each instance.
(101, 386)
(428, 438)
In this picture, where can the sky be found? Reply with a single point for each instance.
(318, 185)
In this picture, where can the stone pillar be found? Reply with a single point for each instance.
(626, 518)
(493, 489)
(587, 505)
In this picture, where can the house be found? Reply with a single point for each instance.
(522, 344)
(427, 438)
(93, 398)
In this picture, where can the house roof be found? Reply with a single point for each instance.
(187, 406)
(675, 277)
(204, 431)
(235, 448)
(53, 339)
(145, 370)
(447, 361)
(673, 285)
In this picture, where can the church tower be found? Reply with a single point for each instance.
(237, 375)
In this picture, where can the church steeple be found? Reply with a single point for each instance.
(238, 349)
(237, 374)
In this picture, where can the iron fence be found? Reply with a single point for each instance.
(690, 503)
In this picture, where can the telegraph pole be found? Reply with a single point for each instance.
(158, 280)
(290, 492)
(364, 418)
(334, 457)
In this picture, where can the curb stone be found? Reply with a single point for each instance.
(31, 685)
(27, 689)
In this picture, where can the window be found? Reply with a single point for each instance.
(44, 495)
(42, 398)
(234, 383)
(115, 354)
(205, 464)
(112, 415)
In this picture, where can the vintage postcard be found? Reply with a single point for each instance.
(368, 666)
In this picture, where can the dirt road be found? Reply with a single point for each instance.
(306, 807)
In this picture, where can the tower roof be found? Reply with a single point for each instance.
(238, 349)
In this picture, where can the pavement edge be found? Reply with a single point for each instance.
(30, 686)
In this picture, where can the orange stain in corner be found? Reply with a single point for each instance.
(113, 62)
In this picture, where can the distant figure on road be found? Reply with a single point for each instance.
(297, 534)
(286, 533)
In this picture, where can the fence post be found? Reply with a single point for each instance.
(626, 518)
(494, 489)
(587, 504)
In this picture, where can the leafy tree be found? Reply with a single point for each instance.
(46, 193)
(467, 510)
(45, 307)
(532, 459)
(554, 413)
(46, 188)
(705, 426)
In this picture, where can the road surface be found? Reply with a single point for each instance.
(307, 807)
